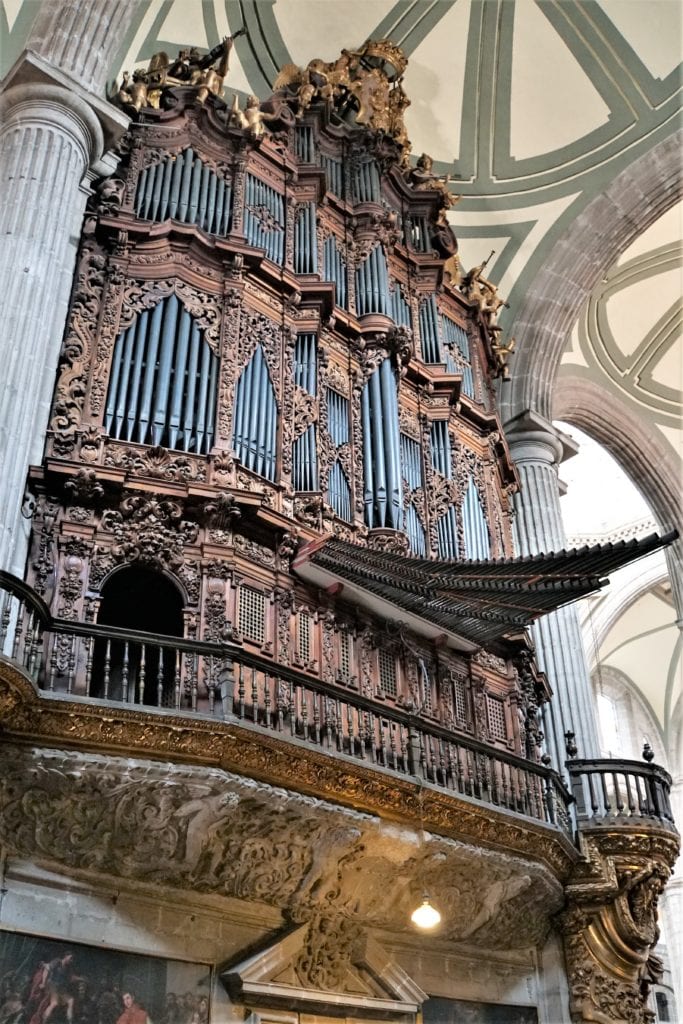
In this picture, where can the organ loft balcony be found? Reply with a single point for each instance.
(230, 701)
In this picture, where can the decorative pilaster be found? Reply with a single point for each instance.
(537, 449)
(53, 138)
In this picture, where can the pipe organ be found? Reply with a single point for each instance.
(264, 349)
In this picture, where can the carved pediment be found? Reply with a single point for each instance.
(326, 965)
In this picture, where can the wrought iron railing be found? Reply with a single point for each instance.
(616, 792)
(108, 664)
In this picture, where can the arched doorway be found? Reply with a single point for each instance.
(141, 599)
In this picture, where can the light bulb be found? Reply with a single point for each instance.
(425, 916)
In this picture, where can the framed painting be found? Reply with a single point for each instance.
(460, 1011)
(50, 981)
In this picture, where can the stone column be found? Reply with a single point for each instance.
(537, 449)
(54, 138)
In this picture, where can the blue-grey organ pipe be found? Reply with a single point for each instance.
(415, 532)
(305, 362)
(391, 443)
(447, 534)
(333, 173)
(306, 241)
(477, 543)
(255, 418)
(185, 182)
(163, 372)
(131, 403)
(429, 330)
(150, 367)
(163, 382)
(176, 177)
(419, 234)
(261, 233)
(383, 491)
(202, 398)
(400, 310)
(187, 415)
(441, 448)
(337, 417)
(372, 284)
(184, 188)
(339, 492)
(334, 269)
(304, 143)
(411, 460)
(365, 186)
(458, 345)
(305, 461)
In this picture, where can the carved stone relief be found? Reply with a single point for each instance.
(215, 832)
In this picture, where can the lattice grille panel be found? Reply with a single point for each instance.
(304, 637)
(252, 614)
(495, 710)
(387, 673)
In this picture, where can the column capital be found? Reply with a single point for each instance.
(533, 438)
(34, 84)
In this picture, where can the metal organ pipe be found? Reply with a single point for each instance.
(477, 542)
(255, 418)
(415, 531)
(306, 241)
(305, 447)
(185, 188)
(383, 495)
(429, 330)
(458, 348)
(160, 363)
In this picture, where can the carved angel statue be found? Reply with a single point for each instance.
(205, 74)
(484, 293)
(502, 353)
(423, 179)
(252, 118)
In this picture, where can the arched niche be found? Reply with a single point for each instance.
(139, 598)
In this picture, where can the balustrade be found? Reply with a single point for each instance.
(619, 792)
(224, 681)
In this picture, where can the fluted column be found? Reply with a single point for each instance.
(537, 449)
(53, 139)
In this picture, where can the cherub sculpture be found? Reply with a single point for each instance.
(252, 118)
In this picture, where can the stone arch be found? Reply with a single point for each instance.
(615, 602)
(628, 206)
(652, 468)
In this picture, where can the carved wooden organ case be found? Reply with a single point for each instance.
(263, 348)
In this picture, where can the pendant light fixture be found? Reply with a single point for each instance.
(425, 916)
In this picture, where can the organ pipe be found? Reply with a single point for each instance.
(458, 348)
(334, 269)
(255, 418)
(184, 188)
(383, 492)
(429, 330)
(164, 377)
(477, 542)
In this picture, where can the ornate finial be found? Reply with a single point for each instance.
(648, 752)
(570, 745)
(382, 52)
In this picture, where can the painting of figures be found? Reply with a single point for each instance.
(49, 981)
(457, 1011)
